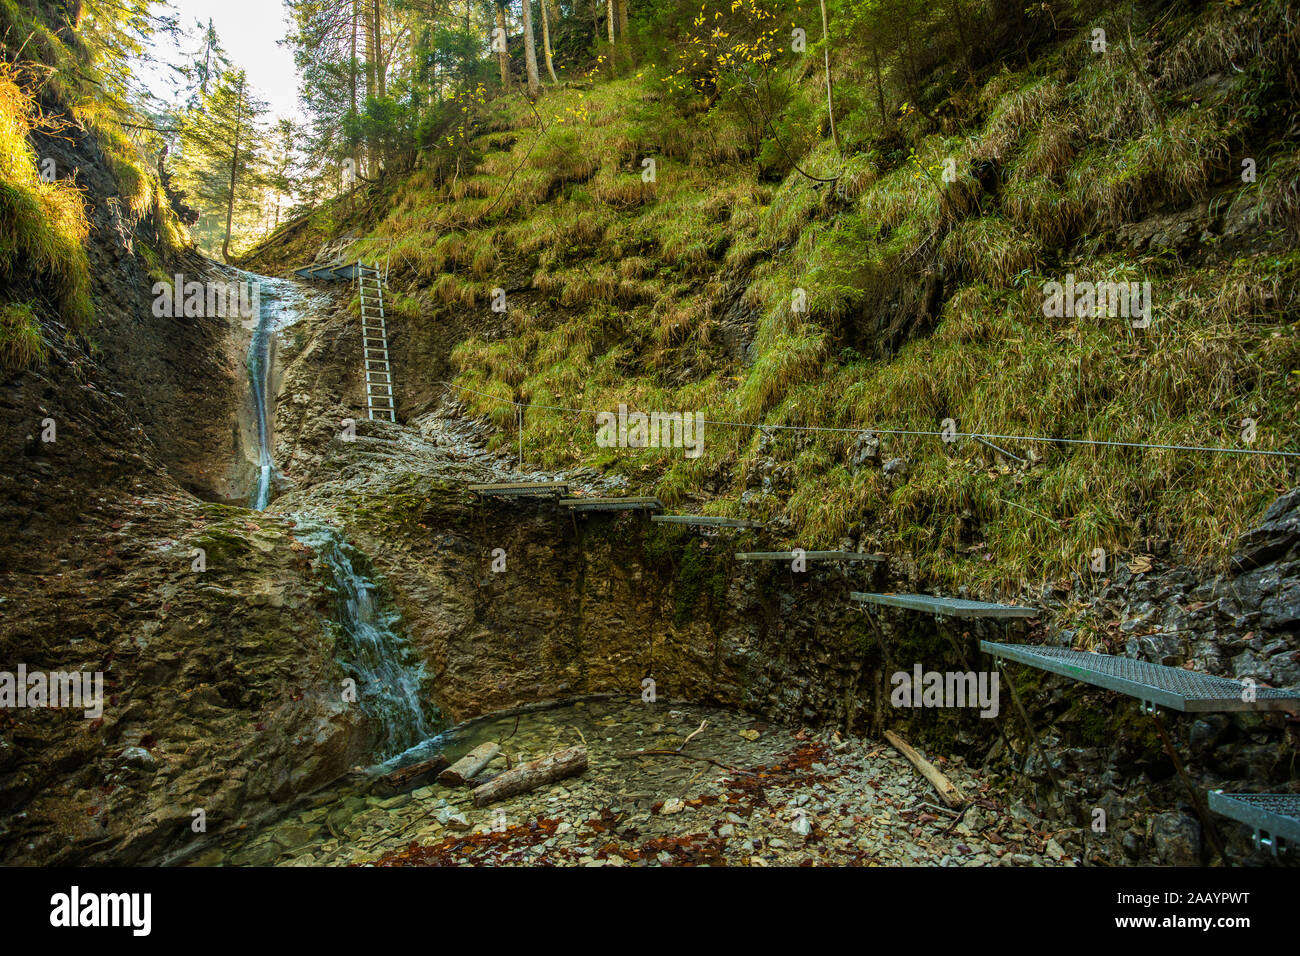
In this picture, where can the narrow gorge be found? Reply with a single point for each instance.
(949, 515)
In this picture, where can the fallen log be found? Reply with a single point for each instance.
(483, 778)
(948, 793)
(469, 765)
(405, 776)
(533, 774)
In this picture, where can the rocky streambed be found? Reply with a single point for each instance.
(741, 792)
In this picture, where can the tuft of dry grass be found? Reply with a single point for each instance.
(988, 250)
(21, 343)
(43, 225)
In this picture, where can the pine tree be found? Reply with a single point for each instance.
(220, 166)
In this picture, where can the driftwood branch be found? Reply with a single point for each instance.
(678, 753)
(696, 732)
(948, 793)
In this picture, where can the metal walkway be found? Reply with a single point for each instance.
(1171, 687)
(612, 504)
(1275, 817)
(809, 556)
(523, 489)
(374, 344)
(707, 521)
(327, 273)
(945, 606)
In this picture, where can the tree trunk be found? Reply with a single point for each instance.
(352, 64)
(622, 32)
(880, 90)
(546, 42)
(530, 51)
(613, 48)
(963, 34)
(352, 67)
(503, 58)
(830, 94)
(368, 42)
(531, 775)
(381, 80)
(234, 165)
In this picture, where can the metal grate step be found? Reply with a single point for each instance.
(522, 488)
(612, 504)
(1275, 817)
(707, 521)
(809, 556)
(1171, 687)
(945, 606)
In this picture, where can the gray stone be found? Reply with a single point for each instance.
(1177, 838)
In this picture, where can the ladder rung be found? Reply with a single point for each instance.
(374, 344)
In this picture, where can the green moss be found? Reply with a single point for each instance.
(222, 544)
(700, 570)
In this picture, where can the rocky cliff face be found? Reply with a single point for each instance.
(224, 683)
(220, 683)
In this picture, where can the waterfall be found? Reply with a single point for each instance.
(370, 650)
(277, 302)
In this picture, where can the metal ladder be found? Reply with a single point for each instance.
(374, 344)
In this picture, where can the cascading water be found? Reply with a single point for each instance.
(370, 650)
(278, 302)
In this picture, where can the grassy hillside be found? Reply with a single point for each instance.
(924, 296)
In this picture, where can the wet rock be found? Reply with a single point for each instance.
(139, 758)
(292, 837)
(1177, 838)
(866, 450)
(452, 819)
(895, 469)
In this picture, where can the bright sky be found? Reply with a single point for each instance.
(249, 31)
